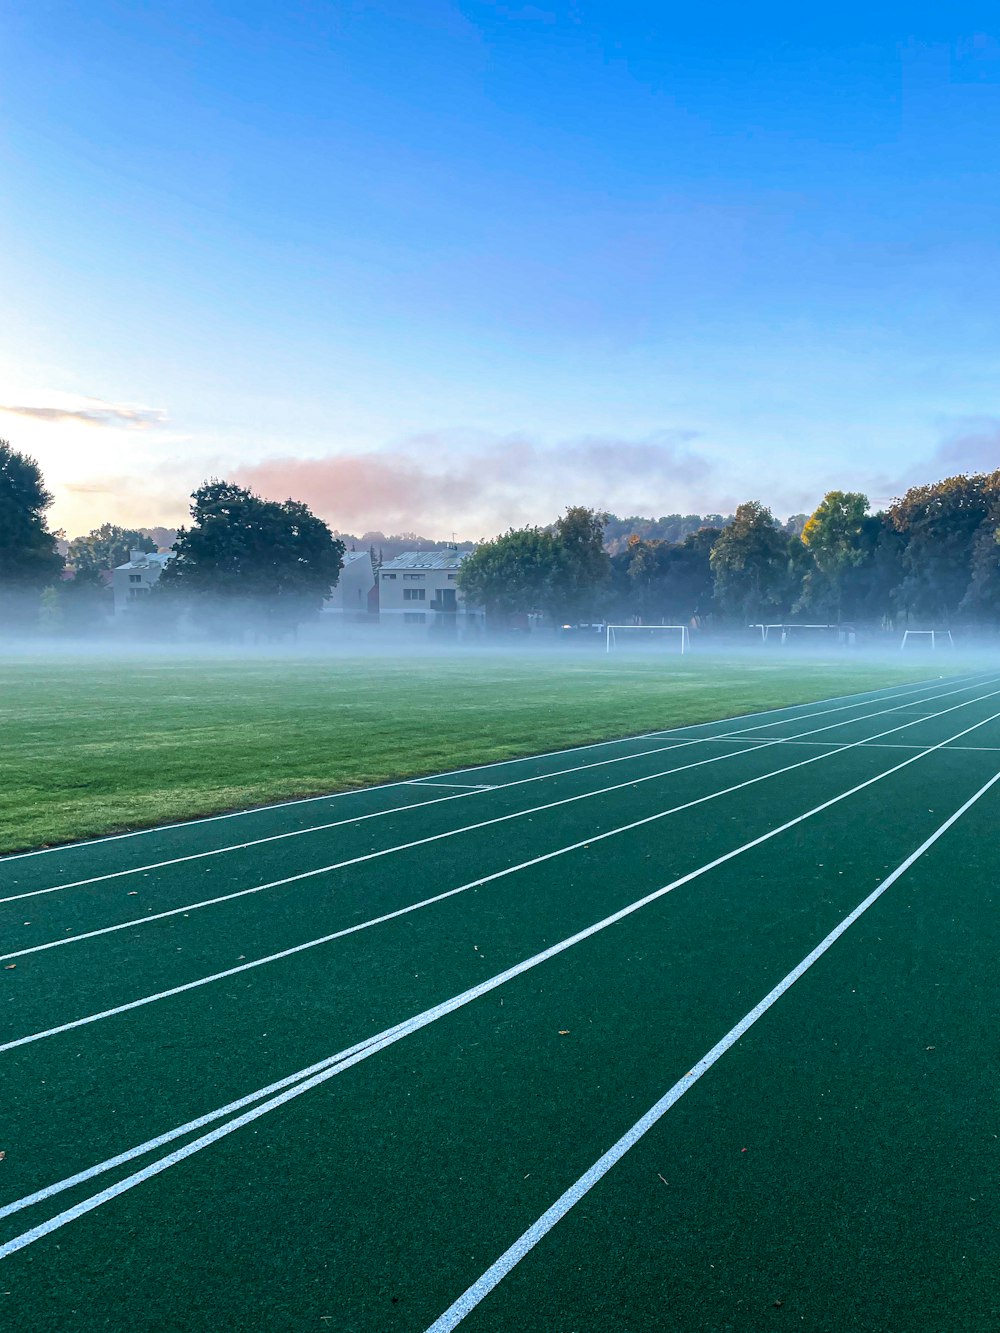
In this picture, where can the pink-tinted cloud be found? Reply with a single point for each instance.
(100, 414)
(442, 483)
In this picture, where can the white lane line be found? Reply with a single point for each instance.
(527, 1241)
(859, 698)
(320, 940)
(293, 1085)
(486, 786)
(416, 805)
(840, 745)
(65, 940)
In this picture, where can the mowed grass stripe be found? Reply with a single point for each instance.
(215, 900)
(380, 1174)
(631, 755)
(541, 698)
(343, 1060)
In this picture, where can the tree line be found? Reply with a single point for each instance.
(243, 562)
(931, 558)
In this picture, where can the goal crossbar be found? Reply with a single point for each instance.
(627, 631)
(933, 634)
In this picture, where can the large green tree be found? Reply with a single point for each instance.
(106, 548)
(510, 575)
(249, 560)
(838, 538)
(982, 597)
(661, 581)
(29, 560)
(940, 525)
(756, 569)
(581, 577)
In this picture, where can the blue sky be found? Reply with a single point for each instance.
(453, 266)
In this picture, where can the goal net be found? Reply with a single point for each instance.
(927, 638)
(669, 638)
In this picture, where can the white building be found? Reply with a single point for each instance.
(133, 580)
(420, 589)
(354, 596)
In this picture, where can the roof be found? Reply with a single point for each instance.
(153, 558)
(426, 560)
(352, 557)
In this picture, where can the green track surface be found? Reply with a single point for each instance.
(834, 1170)
(96, 745)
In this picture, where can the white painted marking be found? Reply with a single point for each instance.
(486, 786)
(861, 696)
(65, 940)
(304, 1080)
(527, 1241)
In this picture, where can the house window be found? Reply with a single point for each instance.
(453, 576)
(413, 576)
(414, 594)
(135, 578)
(388, 576)
(414, 617)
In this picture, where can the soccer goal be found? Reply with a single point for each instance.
(672, 638)
(935, 636)
(786, 633)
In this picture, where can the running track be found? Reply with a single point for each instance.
(693, 1031)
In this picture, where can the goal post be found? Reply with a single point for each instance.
(935, 636)
(674, 638)
(787, 631)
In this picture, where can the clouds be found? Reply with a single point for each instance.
(477, 484)
(91, 412)
(970, 444)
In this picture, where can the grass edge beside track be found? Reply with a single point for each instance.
(66, 782)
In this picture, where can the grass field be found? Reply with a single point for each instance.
(93, 746)
(692, 1031)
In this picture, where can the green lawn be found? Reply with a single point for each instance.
(97, 745)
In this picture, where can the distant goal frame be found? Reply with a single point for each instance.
(784, 629)
(611, 634)
(933, 634)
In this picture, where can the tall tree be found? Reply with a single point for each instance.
(940, 524)
(837, 540)
(581, 578)
(982, 597)
(510, 575)
(29, 560)
(246, 557)
(753, 565)
(107, 547)
(666, 581)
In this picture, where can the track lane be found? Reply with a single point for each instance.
(909, 803)
(72, 913)
(837, 1169)
(453, 1112)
